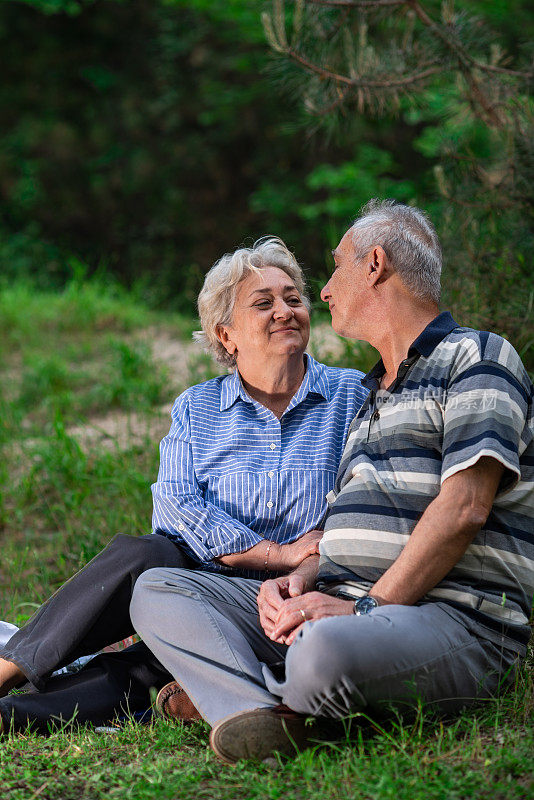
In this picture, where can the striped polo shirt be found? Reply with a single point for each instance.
(232, 474)
(459, 395)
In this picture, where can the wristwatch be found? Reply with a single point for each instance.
(363, 605)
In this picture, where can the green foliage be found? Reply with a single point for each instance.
(136, 382)
(69, 355)
(82, 306)
(49, 379)
(332, 194)
(469, 120)
(71, 7)
(130, 136)
(64, 507)
(78, 352)
(150, 137)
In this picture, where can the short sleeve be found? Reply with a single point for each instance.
(485, 414)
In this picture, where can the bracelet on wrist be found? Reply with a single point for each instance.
(266, 562)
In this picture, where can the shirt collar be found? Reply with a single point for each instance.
(433, 334)
(314, 382)
(231, 389)
(428, 339)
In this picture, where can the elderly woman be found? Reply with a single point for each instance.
(244, 473)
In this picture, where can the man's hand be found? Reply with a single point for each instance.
(295, 611)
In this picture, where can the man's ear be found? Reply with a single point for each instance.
(223, 335)
(378, 266)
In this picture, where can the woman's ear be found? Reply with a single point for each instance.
(223, 335)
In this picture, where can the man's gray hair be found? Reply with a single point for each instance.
(408, 239)
(217, 297)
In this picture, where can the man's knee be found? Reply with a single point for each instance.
(320, 673)
(317, 658)
(141, 603)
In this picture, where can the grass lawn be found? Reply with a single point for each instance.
(87, 379)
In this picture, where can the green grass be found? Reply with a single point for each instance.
(65, 358)
(487, 753)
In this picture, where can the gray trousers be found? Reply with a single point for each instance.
(204, 629)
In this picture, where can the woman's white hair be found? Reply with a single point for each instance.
(409, 240)
(217, 297)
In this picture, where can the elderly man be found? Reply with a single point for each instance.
(424, 583)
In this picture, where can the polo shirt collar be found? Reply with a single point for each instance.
(428, 339)
(314, 382)
(433, 334)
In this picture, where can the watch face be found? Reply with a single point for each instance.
(366, 604)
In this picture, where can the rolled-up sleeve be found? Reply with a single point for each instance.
(179, 508)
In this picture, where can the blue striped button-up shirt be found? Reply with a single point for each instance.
(232, 474)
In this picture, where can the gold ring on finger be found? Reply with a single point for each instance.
(303, 614)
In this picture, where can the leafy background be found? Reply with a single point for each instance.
(143, 139)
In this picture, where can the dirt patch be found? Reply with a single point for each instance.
(122, 430)
(176, 354)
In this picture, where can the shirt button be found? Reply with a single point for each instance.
(270, 504)
(272, 446)
(270, 474)
(181, 527)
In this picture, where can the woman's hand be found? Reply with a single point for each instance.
(272, 595)
(275, 593)
(289, 556)
(274, 557)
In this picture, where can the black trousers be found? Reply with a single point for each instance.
(110, 685)
(90, 611)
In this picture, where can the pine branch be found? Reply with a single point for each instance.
(368, 4)
(360, 82)
(337, 103)
(407, 65)
(461, 53)
(467, 64)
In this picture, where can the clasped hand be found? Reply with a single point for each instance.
(285, 604)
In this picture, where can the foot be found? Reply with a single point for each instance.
(10, 676)
(260, 733)
(173, 702)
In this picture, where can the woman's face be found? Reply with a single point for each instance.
(269, 318)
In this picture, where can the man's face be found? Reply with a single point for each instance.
(344, 290)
